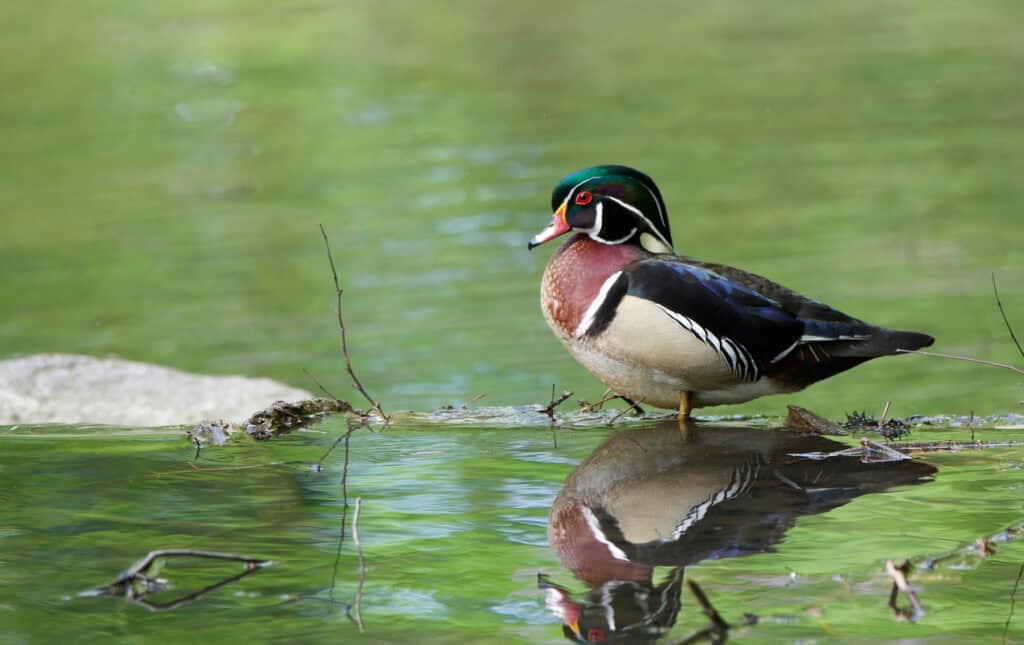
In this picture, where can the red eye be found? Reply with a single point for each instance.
(584, 198)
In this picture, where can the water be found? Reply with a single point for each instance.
(453, 529)
(165, 168)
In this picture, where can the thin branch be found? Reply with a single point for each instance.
(888, 453)
(634, 405)
(356, 612)
(344, 515)
(550, 409)
(885, 413)
(999, 303)
(706, 606)
(968, 359)
(145, 563)
(155, 607)
(375, 405)
(596, 405)
(320, 463)
(937, 446)
(135, 584)
(320, 385)
(717, 630)
(900, 584)
(1013, 599)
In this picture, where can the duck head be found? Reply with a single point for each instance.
(612, 205)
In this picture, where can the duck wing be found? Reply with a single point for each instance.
(759, 327)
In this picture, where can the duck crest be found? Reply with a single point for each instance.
(567, 290)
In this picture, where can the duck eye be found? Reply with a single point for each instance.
(583, 198)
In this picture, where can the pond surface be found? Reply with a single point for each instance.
(165, 167)
(453, 529)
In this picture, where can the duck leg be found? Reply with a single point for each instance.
(685, 398)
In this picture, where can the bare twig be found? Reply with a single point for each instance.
(374, 405)
(968, 359)
(320, 385)
(135, 584)
(356, 602)
(634, 405)
(320, 462)
(706, 606)
(939, 446)
(885, 413)
(597, 405)
(1009, 328)
(1013, 599)
(717, 630)
(550, 409)
(900, 584)
(344, 514)
(886, 453)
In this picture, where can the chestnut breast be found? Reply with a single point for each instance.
(574, 276)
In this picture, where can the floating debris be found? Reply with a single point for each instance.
(803, 420)
(280, 418)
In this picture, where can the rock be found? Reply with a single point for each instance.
(69, 388)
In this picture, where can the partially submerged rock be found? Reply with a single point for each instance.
(68, 388)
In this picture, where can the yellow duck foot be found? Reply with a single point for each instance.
(684, 405)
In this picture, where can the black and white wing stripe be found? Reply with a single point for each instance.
(740, 362)
(742, 478)
(747, 330)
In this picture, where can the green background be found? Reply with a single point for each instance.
(164, 170)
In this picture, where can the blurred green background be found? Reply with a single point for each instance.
(164, 170)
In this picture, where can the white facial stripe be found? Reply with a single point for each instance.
(595, 304)
(618, 241)
(657, 204)
(636, 211)
(572, 190)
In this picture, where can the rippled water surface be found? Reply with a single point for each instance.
(453, 530)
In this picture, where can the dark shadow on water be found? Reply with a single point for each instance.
(675, 495)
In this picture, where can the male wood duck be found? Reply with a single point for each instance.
(669, 330)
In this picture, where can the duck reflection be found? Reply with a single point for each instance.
(673, 495)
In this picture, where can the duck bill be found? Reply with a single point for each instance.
(557, 227)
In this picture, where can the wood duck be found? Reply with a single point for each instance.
(670, 330)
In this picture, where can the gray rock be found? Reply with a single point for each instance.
(69, 388)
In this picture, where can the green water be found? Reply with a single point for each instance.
(163, 172)
(453, 532)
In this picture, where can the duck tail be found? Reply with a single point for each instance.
(880, 342)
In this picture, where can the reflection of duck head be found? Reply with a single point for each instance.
(660, 496)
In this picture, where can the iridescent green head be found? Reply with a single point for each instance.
(611, 204)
